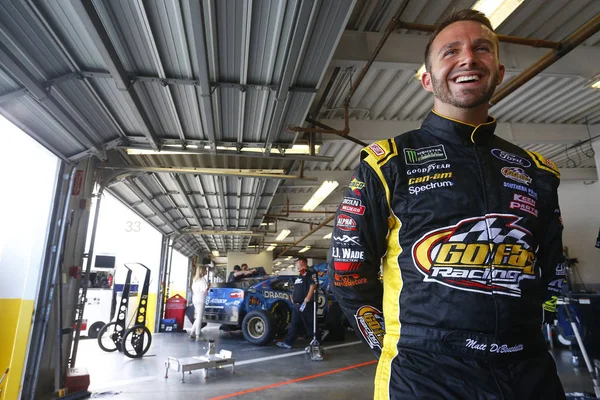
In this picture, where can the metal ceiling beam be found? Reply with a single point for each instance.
(133, 186)
(220, 185)
(188, 202)
(205, 171)
(95, 29)
(220, 232)
(198, 40)
(14, 67)
(355, 48)
(321, 225)
(233, 153)
(301, 27)
(518, 133)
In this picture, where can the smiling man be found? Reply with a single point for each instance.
(466, 231)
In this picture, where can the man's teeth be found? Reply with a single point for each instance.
(467, 78)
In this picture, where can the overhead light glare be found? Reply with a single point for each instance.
(497, 10)
(278, 263)
(305, 248)
(288, 258)
(271, 247)
(321, 194)
(596, 85)
(215, 253)
(282, 235)
(328, 236)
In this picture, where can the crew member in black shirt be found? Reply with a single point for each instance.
(303, 299)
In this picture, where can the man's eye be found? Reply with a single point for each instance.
(483, 48)
(449, 52)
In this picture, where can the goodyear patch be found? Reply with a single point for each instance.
(370, 324)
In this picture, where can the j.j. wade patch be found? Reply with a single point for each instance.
(371, 326)
(424, 155)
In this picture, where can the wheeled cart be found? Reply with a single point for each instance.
(189, 364)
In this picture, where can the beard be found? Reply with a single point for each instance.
(466, 98)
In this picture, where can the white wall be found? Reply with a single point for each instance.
(580, 207)
(264, 259)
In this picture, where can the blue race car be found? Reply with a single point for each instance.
(261, 307)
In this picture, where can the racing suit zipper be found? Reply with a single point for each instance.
(486, 210)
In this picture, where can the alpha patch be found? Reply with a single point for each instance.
(345, 223)
(371, 326)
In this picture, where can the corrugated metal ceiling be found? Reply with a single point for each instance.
(233, 73)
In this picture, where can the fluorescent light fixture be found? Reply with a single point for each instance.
(328, 236)
(282, 235)
(278, 263)
(288, 258)
(178, 149)
(291, 266)
(321, 194)
(596, 85)
(496, 11)
(305, 248)
(215, 253)
(271, 247)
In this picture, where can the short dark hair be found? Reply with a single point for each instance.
(237, 268)
(301, 258)
(457, 16)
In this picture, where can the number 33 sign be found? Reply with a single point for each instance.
(132, 226)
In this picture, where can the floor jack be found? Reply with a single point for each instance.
(588, 363)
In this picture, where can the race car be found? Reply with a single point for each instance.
(261, 306)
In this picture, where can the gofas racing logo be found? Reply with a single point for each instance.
(370, 324)
(490, 254)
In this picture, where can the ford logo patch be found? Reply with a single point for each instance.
(511, 158)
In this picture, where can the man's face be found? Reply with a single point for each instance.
(244, 267)
(464, 65)
(301, 265)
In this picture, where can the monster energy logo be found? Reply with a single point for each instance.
(424, 155)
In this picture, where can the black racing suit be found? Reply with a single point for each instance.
(455, 234)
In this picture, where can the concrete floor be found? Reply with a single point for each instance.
(266, 372)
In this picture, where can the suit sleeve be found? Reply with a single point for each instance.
(551, 258)
(358, 244)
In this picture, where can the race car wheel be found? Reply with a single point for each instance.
(258, 327)
(281, 316)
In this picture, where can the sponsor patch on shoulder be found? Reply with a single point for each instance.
(346, 223)
(511, 158)
(355, 185)
(543, 163)
(377, 150)
(371, 326)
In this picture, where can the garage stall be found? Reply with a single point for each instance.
(229, 131)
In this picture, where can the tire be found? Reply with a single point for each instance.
(110, 336)
(137, 341)
(281, 314)
(258, 327)
(94, 330)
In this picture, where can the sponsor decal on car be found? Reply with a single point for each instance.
(523, 203)
(511, 158)
(427, 169)
(346, 239)
(460, 256)
(516, 174)
(218, 301)
(348, 280)
(346, 223)
(371, 326)
(522, 188)
(253, 301)
(277, 295)
(425, 155)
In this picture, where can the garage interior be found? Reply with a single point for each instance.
(216, 121)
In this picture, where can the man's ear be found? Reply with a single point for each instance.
(426, 81)
(501, 70)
